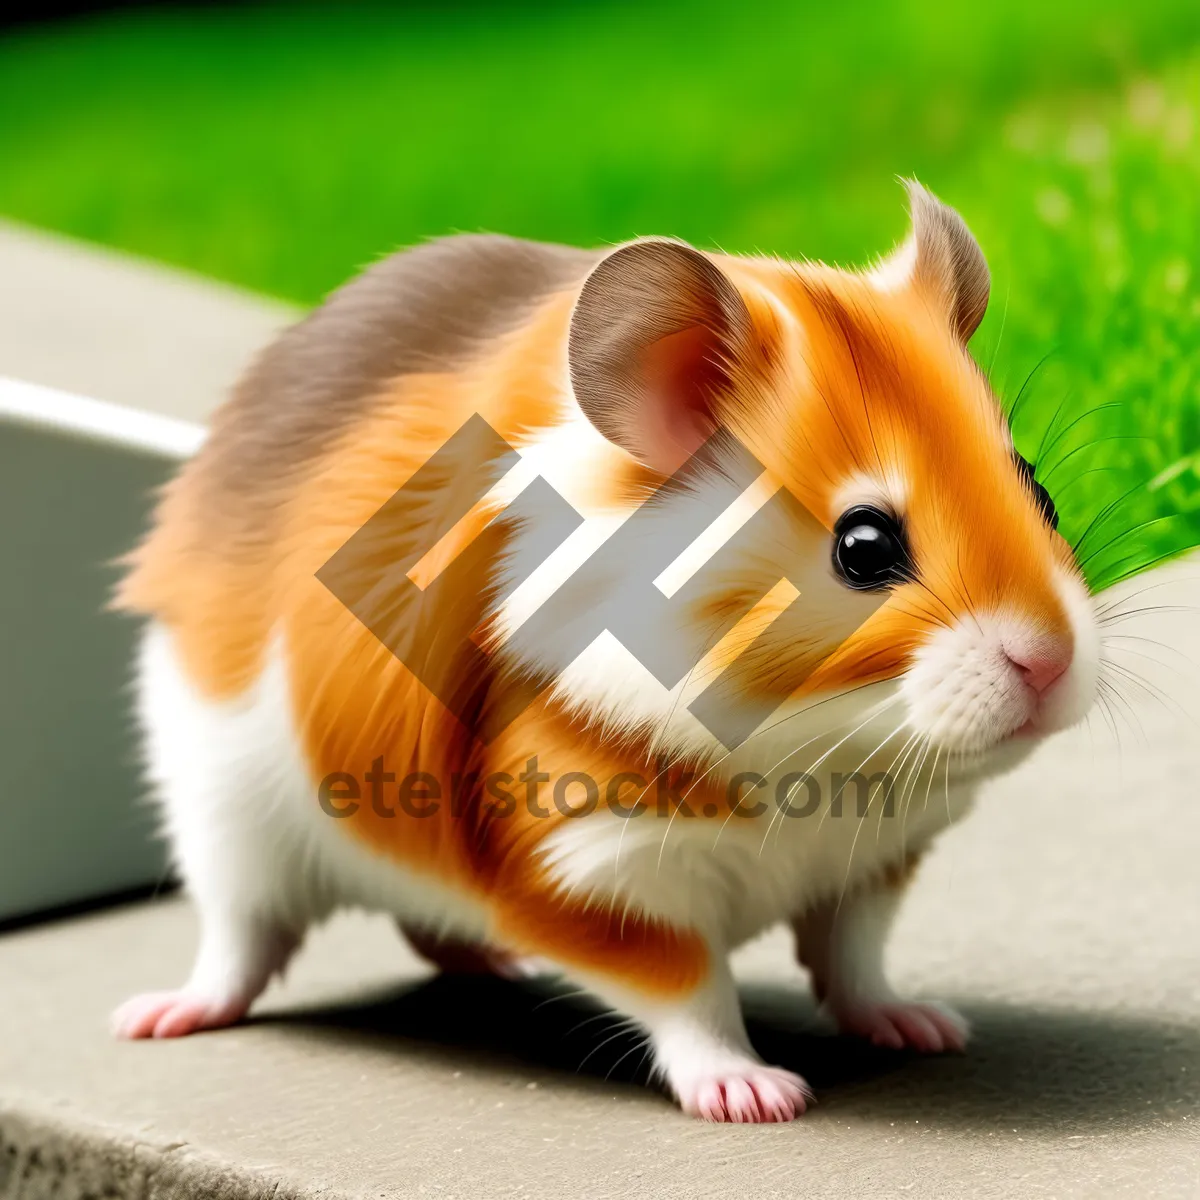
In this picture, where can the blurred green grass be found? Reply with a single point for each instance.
(281, 147)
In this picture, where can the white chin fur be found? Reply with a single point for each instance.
(966, 695)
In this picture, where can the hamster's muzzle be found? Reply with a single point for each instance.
(988, 676)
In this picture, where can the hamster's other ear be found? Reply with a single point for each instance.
(943, 260)
(653, 336)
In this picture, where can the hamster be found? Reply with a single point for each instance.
(593, 611)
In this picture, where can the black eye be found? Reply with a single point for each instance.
(869, 549)
(1041, 497)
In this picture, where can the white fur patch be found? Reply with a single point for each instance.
(241, 808)
(889, 492)
(895, 272)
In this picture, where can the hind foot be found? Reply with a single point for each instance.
(928, 1028)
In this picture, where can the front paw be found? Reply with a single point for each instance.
(173, 1014)
(896, 1025)
(743, 1092)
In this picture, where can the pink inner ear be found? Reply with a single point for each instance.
(680, 373)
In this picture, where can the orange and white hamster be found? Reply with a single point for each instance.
(909, 614)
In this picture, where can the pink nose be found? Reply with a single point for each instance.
(1041, 669)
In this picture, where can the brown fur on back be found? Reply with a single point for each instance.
(427, 309)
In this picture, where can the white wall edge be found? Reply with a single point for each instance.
(48, 408)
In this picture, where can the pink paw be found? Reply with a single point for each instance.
(929, 1028)
(172, 1014)
(749, 1094)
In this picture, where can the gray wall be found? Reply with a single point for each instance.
(74, 823)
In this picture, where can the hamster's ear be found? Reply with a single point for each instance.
(943, 260)
(654, 334)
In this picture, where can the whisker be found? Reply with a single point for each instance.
(776, 724)
(1122, 705)
(626, 1026)
(1167, 701)
(1091, 412)
(1105, 513)
(813, 766)
(573, 994)
(949, 755)
(642, 1044)
(1106, 712)
(1133, 637)
(1062, 491)
(1092, 555)
(906, 798)
(1150, 587)
(776, 767)
(1139, 566)
(999, 336)
(911, 747)
(859, 828)
(871, 754)
(1058, 412)
(966, 591)
(1115, 437)
(604, 1014)
(808, 772)
(1121, 614)
(1015, 409)
(932, 774)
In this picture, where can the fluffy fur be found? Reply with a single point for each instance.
(256, 683)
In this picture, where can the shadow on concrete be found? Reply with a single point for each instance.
(1027, 1070)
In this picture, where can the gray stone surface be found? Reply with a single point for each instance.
(75, 826)
(1063, 918)
(105, 325)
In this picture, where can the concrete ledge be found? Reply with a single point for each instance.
(102, 324)
(44, 1158)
